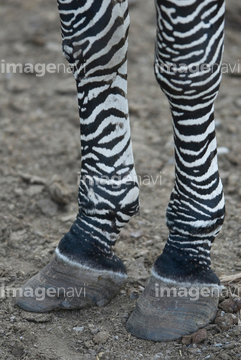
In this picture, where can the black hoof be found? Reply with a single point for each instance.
(60, 285)
(168, 310)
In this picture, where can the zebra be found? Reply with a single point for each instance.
(188, 55)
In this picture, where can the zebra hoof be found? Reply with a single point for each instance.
(60, 285)
(169, 310)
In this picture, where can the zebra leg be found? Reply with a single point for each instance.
(182, 293)
(95, 35)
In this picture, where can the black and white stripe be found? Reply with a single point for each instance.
(95, 40)
(189, 51)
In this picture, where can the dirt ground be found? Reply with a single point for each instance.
(40, 139)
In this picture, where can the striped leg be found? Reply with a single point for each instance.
(95, 35)
(189, 50)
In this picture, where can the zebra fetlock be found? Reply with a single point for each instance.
(189, 50)
(108, 190)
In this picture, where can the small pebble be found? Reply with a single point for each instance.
(78, 328)
(222, 150)
(101, 337)
(104, 356)
(34, 190)
(195, 338)
(38, 318)
(37, 40)
(18, 191)
(228, 305)
(58, 190)
(137, 234)
(199, 336)
(47, 207)
(225, 321)
(88, 344)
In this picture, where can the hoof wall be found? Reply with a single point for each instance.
(169, 310)
(63, 286)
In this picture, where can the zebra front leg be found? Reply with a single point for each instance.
(182, 293)
(95, 35)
